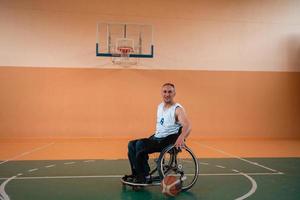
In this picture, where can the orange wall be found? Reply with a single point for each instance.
(238, 35)
(56, 102)
(228, 38)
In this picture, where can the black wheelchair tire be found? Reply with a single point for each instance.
(160, 167)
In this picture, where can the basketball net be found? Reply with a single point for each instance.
(122, 55)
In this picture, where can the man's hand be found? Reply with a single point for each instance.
(180, 142)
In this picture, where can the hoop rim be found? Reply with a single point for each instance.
(125, 49)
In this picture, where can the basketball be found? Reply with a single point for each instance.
(171, 185)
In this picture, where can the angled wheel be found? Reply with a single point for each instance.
(180, 163)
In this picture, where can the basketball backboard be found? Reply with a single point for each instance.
(124, 40)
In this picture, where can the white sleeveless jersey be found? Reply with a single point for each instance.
(166, 122)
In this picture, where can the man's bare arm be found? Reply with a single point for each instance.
(186, 127)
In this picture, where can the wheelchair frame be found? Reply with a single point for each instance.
(165, 167)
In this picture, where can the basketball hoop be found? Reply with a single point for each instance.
(124, 47)
(125, 43)
(125, 50)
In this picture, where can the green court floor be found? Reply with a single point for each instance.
(271, 178)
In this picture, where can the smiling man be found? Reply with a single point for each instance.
(172, 127)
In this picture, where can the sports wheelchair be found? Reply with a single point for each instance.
(172, 161)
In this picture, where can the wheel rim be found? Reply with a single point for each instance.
(182, 163)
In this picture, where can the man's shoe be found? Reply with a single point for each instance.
(129, 178)
(148, 180)
(142, 180)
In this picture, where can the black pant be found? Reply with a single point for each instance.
(138, 151)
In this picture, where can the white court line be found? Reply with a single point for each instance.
(203, 163)
(119, 176)
(89, 161)
(234, 174)
(3, 195)
(252, 190)
(32, 170)
(48, 166)
(69, 163)
(237, 157)
(26, 153)
(220, 166)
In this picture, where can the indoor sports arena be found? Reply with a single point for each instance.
(140, 99)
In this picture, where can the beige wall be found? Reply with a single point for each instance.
(222, 41)
(259, 35)
(56, 102)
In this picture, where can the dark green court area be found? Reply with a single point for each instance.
(100, 179)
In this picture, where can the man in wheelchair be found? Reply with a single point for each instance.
(172, 127)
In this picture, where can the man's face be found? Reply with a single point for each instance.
(168, 93)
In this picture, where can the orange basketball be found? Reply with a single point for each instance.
(171, 185)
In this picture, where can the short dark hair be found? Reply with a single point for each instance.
(169, 84)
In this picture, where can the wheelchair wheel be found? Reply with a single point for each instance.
(179, 163)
